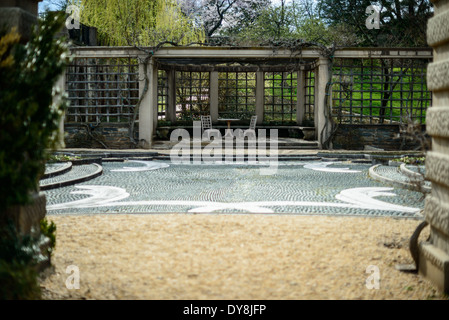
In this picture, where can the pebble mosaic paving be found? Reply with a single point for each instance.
(314, 187)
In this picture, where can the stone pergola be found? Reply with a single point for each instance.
(237, 59)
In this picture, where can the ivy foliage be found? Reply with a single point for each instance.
(29, 118)
(20, 256)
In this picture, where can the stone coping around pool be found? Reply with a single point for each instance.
(407, 181)
(69, 182)
(62, 167)
(375, 156)
(365, 156)
(83, 161)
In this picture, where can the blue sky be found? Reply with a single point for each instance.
(48, 3)
(45, 3)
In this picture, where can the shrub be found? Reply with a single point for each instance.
(29, 123)
(412, 160)
(29, 120)
(62, 158)
(49, 230)
(19, 256)
(18, 281)
(19, 259)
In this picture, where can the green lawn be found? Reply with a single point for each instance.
(363, 97)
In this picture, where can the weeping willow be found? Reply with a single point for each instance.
(138, 22)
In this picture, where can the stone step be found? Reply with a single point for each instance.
(245, 158)
(299, 147)
(280, 144)
(77, 174)
(114, 154)
(56, 169)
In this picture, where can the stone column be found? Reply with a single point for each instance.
(148, 106)
(260, 96)
(154, 97)
(322, 125)
(434, 254)
(30, 6)
(21, 14)
(61, 88)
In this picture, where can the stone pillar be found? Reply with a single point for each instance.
(21, 14)
(154, 97)
(61, 88)
(213, 95)
(301, 97)
(322, 125)
(30, 6)
(434, 254)
(260, 96)
(148, 106)
(27, 218)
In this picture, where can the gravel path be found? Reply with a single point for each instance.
(220, 257)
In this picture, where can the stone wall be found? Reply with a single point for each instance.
(30, 6)
(434, 254)
(22, 15)
(387, 137)
(19, 14)
(105, 135)
(27, 218)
